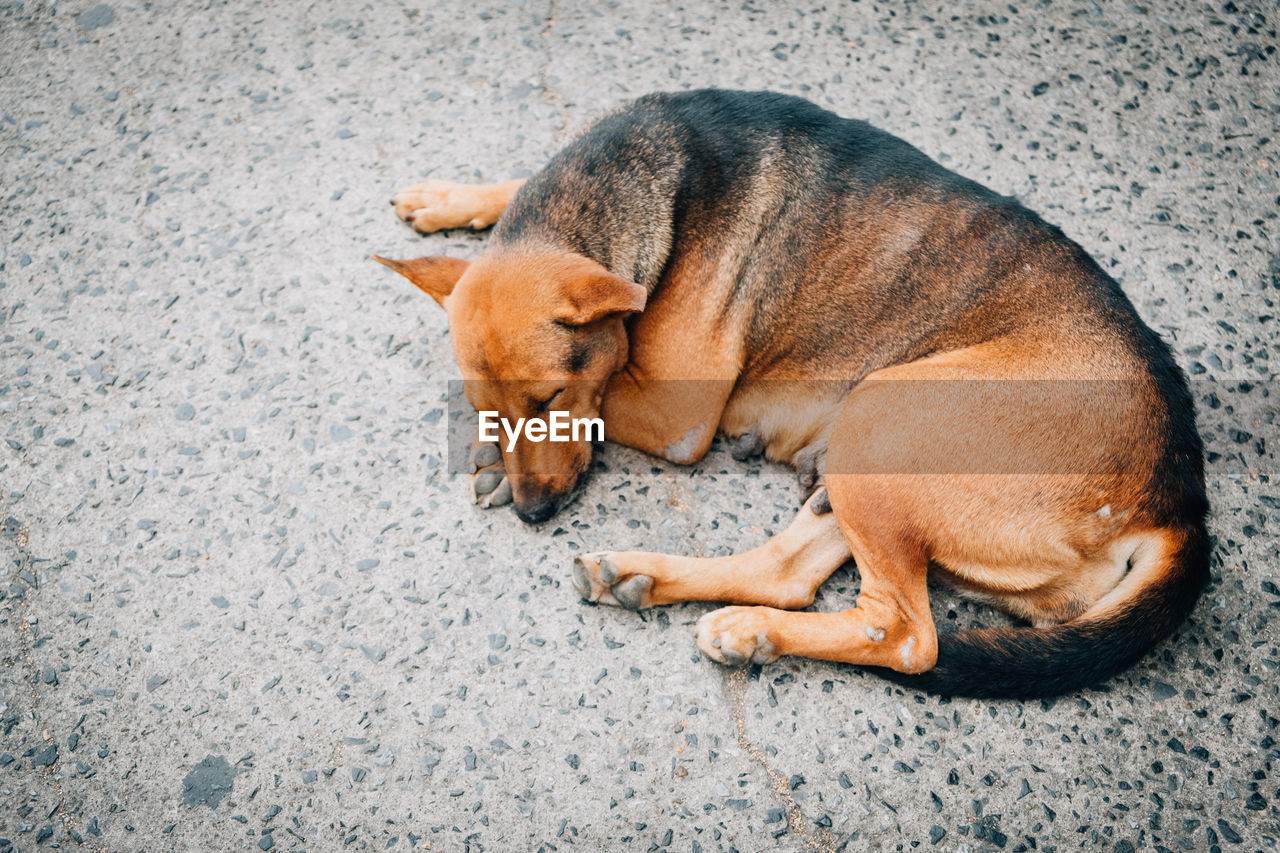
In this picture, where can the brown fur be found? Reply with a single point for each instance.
(896, 347)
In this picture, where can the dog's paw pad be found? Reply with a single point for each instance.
(820, 502)
(490, 487)
(489, 484)
(596, 578)
(810, 465)
(747, 445)
(633, 593)
(487, 480)
(485, 454)
(734, 636)
(499, 495)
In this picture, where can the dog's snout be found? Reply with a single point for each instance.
(537, 498)
(538, 510)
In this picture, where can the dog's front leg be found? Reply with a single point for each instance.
(438, 205)
(684, 361)
(786, 571)
(675, 419)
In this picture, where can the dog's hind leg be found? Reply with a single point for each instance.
(891, 625)
(961, 461)
(786, 571)
(437, 205)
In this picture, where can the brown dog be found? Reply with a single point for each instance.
(978, 396)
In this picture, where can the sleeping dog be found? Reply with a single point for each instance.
(964, 392)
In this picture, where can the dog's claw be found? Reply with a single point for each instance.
(582, 578)
(597, 577)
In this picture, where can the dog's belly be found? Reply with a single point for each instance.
(788, 420)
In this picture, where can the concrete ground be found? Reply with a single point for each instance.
(245, 605)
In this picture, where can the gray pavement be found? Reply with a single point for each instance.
(244, 604)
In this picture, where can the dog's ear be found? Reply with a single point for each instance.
(435, 276)
(593, 297)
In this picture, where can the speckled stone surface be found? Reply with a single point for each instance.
(245, 606)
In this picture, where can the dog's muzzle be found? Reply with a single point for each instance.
(543, 507)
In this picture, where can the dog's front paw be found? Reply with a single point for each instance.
(597, 578)
(489, 484)
(736, 635)
(437, 205)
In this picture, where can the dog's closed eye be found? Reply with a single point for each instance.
(543, 405)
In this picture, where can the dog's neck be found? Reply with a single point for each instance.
(582, 203)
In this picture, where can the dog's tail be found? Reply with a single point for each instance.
(1165, 578)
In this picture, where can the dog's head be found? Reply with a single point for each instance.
(533, 332)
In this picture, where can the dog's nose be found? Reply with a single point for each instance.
(537, 511)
